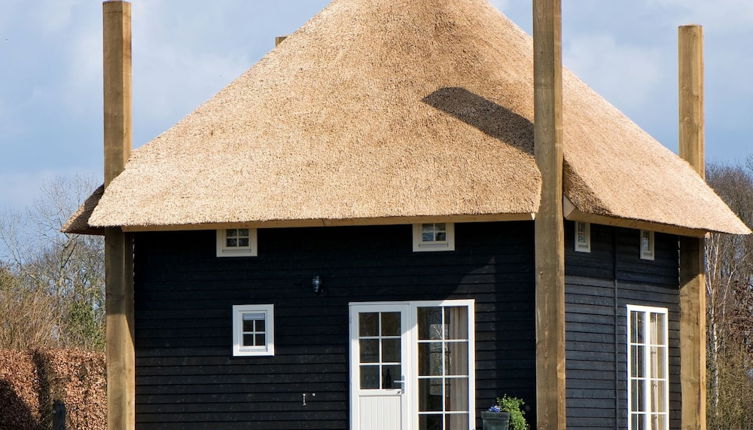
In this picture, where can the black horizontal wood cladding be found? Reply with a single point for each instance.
(186, 377)
(592, 280)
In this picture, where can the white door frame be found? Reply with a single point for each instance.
(410, 371)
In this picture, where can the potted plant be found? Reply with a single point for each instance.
(506, 414)
(495, 419)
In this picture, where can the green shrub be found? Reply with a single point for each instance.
(513, 406)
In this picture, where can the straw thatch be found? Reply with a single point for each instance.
(398, 108)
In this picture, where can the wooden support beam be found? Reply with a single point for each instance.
(692, 264)
(118, 246)
(550, 248)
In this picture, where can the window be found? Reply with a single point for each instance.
(380, 331)
(434, 237)
(648, 368)
(582, 237)
(443, 367)
(236, 242)
(253, 330)
(647, 245)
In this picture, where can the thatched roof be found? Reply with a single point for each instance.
(395, 109)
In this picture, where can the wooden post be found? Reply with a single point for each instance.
(692, 264)
(279, 39)
(550, 248)
(118, 245)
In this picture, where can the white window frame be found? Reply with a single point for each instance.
(583, 246)
(650, 252)
(246, 251)
(269, 331)
(647, 310)
(420, 246)
(411, 373)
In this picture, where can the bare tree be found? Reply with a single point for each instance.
(729, 261)
(66, 270)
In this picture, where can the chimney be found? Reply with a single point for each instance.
(549, 223)
(118, 245)
(692, 250)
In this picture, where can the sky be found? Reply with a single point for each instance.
(184, 51)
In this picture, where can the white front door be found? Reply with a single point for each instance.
(379, 356)
(412, 365)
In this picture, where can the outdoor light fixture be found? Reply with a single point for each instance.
(316, 284)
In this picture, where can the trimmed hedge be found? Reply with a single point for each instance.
(32, 382)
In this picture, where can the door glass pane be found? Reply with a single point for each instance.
(636, 329)
(390, 350)
(636, 401)
(456, 322)
(658, 422)
(636, 421)
(637, 366)
(456, 422)
(657, 396)
(456, 360)
(656, 329)
(430, 323)
(368, 324)
(429, 359)
(430, 394)
(369, 350)
(658, 361)
(456, 394)
(391, 324)
(369, 377)
(390, 374)
(430, 422)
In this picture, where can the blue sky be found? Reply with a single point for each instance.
(186, 50)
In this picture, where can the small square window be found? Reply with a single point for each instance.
(236, 242)
(253, 330)
(647, 245)
(434, 237)
(583, 237)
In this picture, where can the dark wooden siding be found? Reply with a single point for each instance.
(599, 286)
(186, 375)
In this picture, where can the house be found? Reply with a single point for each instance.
(345, 237)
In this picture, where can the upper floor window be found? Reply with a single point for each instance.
(583, 237)
(648, 368)
(434, 237)
(647, 245)
(236, 242)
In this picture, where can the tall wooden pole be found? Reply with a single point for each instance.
(692, 267)
(118, 246)
(550, 248)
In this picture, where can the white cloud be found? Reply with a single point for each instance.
(625, 74)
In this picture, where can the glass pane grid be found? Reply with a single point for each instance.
(253, 330)
(443, 379)
(648, 370)
(380, 347)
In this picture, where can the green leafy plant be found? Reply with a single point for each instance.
(513, 406)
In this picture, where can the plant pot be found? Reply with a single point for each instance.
(495, 420)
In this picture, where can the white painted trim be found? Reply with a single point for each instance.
(269, 330)
(250, 251)
(647, 254)
(579, 246)
(411, 371)
(646, 361)
(420, 246)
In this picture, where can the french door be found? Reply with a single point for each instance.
(412, 365)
